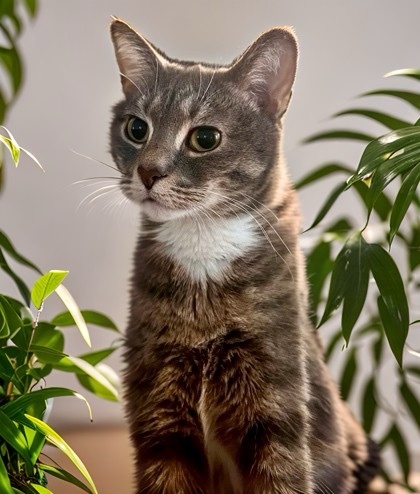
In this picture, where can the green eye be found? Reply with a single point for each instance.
(137, 130)
(204, 139)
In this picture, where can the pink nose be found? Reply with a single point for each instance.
(149, 177)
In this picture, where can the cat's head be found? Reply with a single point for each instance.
(193, 138)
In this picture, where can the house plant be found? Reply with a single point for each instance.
(30, 347)
(373, 283)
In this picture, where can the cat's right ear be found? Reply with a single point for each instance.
(137, 59)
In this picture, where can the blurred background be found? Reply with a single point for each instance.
(63, 111)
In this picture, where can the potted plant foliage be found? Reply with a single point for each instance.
(373, 284)
(31, 347)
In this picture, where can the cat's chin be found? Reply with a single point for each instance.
(158, 212)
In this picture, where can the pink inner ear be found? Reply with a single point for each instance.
(267, 70)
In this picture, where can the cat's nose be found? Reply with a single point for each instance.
(149, 176)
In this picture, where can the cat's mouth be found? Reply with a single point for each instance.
(160, 211)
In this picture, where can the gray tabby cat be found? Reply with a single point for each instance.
(226, 389)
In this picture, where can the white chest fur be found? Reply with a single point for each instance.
(206, 247)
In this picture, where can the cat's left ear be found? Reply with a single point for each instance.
(267, 69)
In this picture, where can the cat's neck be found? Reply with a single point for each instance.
(206, 247)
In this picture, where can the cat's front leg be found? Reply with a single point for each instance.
(162, 392)
(256, 413)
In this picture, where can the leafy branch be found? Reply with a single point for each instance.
(366, 281)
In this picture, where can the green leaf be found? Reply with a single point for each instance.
(56, 440)
(94, 358)
(389, 121)
(319, 265)
(411, 401)
(5, 486)
(63, 475)
(41, 489)
(10, 321)
(7, 245)
(21, 286)
(380, 150)
(349, 283)
(22, 403)
(45, 335)
(392, 304)
(74, 310)
(31, 7)
(382, 205)
(36, 442)
(334, 341)
(400, 445)
(411, 98)
(45, 286)
(332, 197)
(96, 388)
(369, 405)
(414, 247)
(403, 200)
(322, 172)
(414, 73)
(11, 144)
(398, 164)
(90, 317)
(347, 377)
(339, 134)
(10, 59)
(13, 436)
(93, 379)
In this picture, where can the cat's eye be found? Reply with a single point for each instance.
(204, 139)
(137, 130)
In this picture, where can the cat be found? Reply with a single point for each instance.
(226, 390)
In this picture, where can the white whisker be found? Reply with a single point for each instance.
(94, 160)
(208, 86)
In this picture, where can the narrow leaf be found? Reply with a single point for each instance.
(414, 73)
(389, 121)
(392, 304)
(90, 317)
(411, 401)
(41, 489)
(412, 98)
(339, 134)
(23, 402)
(401, 449)
(45, 285)
(7, 245)
(20, 284)
(63, 475)
(59, 442)
(334, 341)
(332, 197)
(357, 286)
(13, 436)
(369, 405)
(11, 145)
(5, 487)
(393, 334)
(349, 280)
(322, 172)
(389, 145)
(403, 200)
(347, 377)
(74, 310)
(95, 376)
